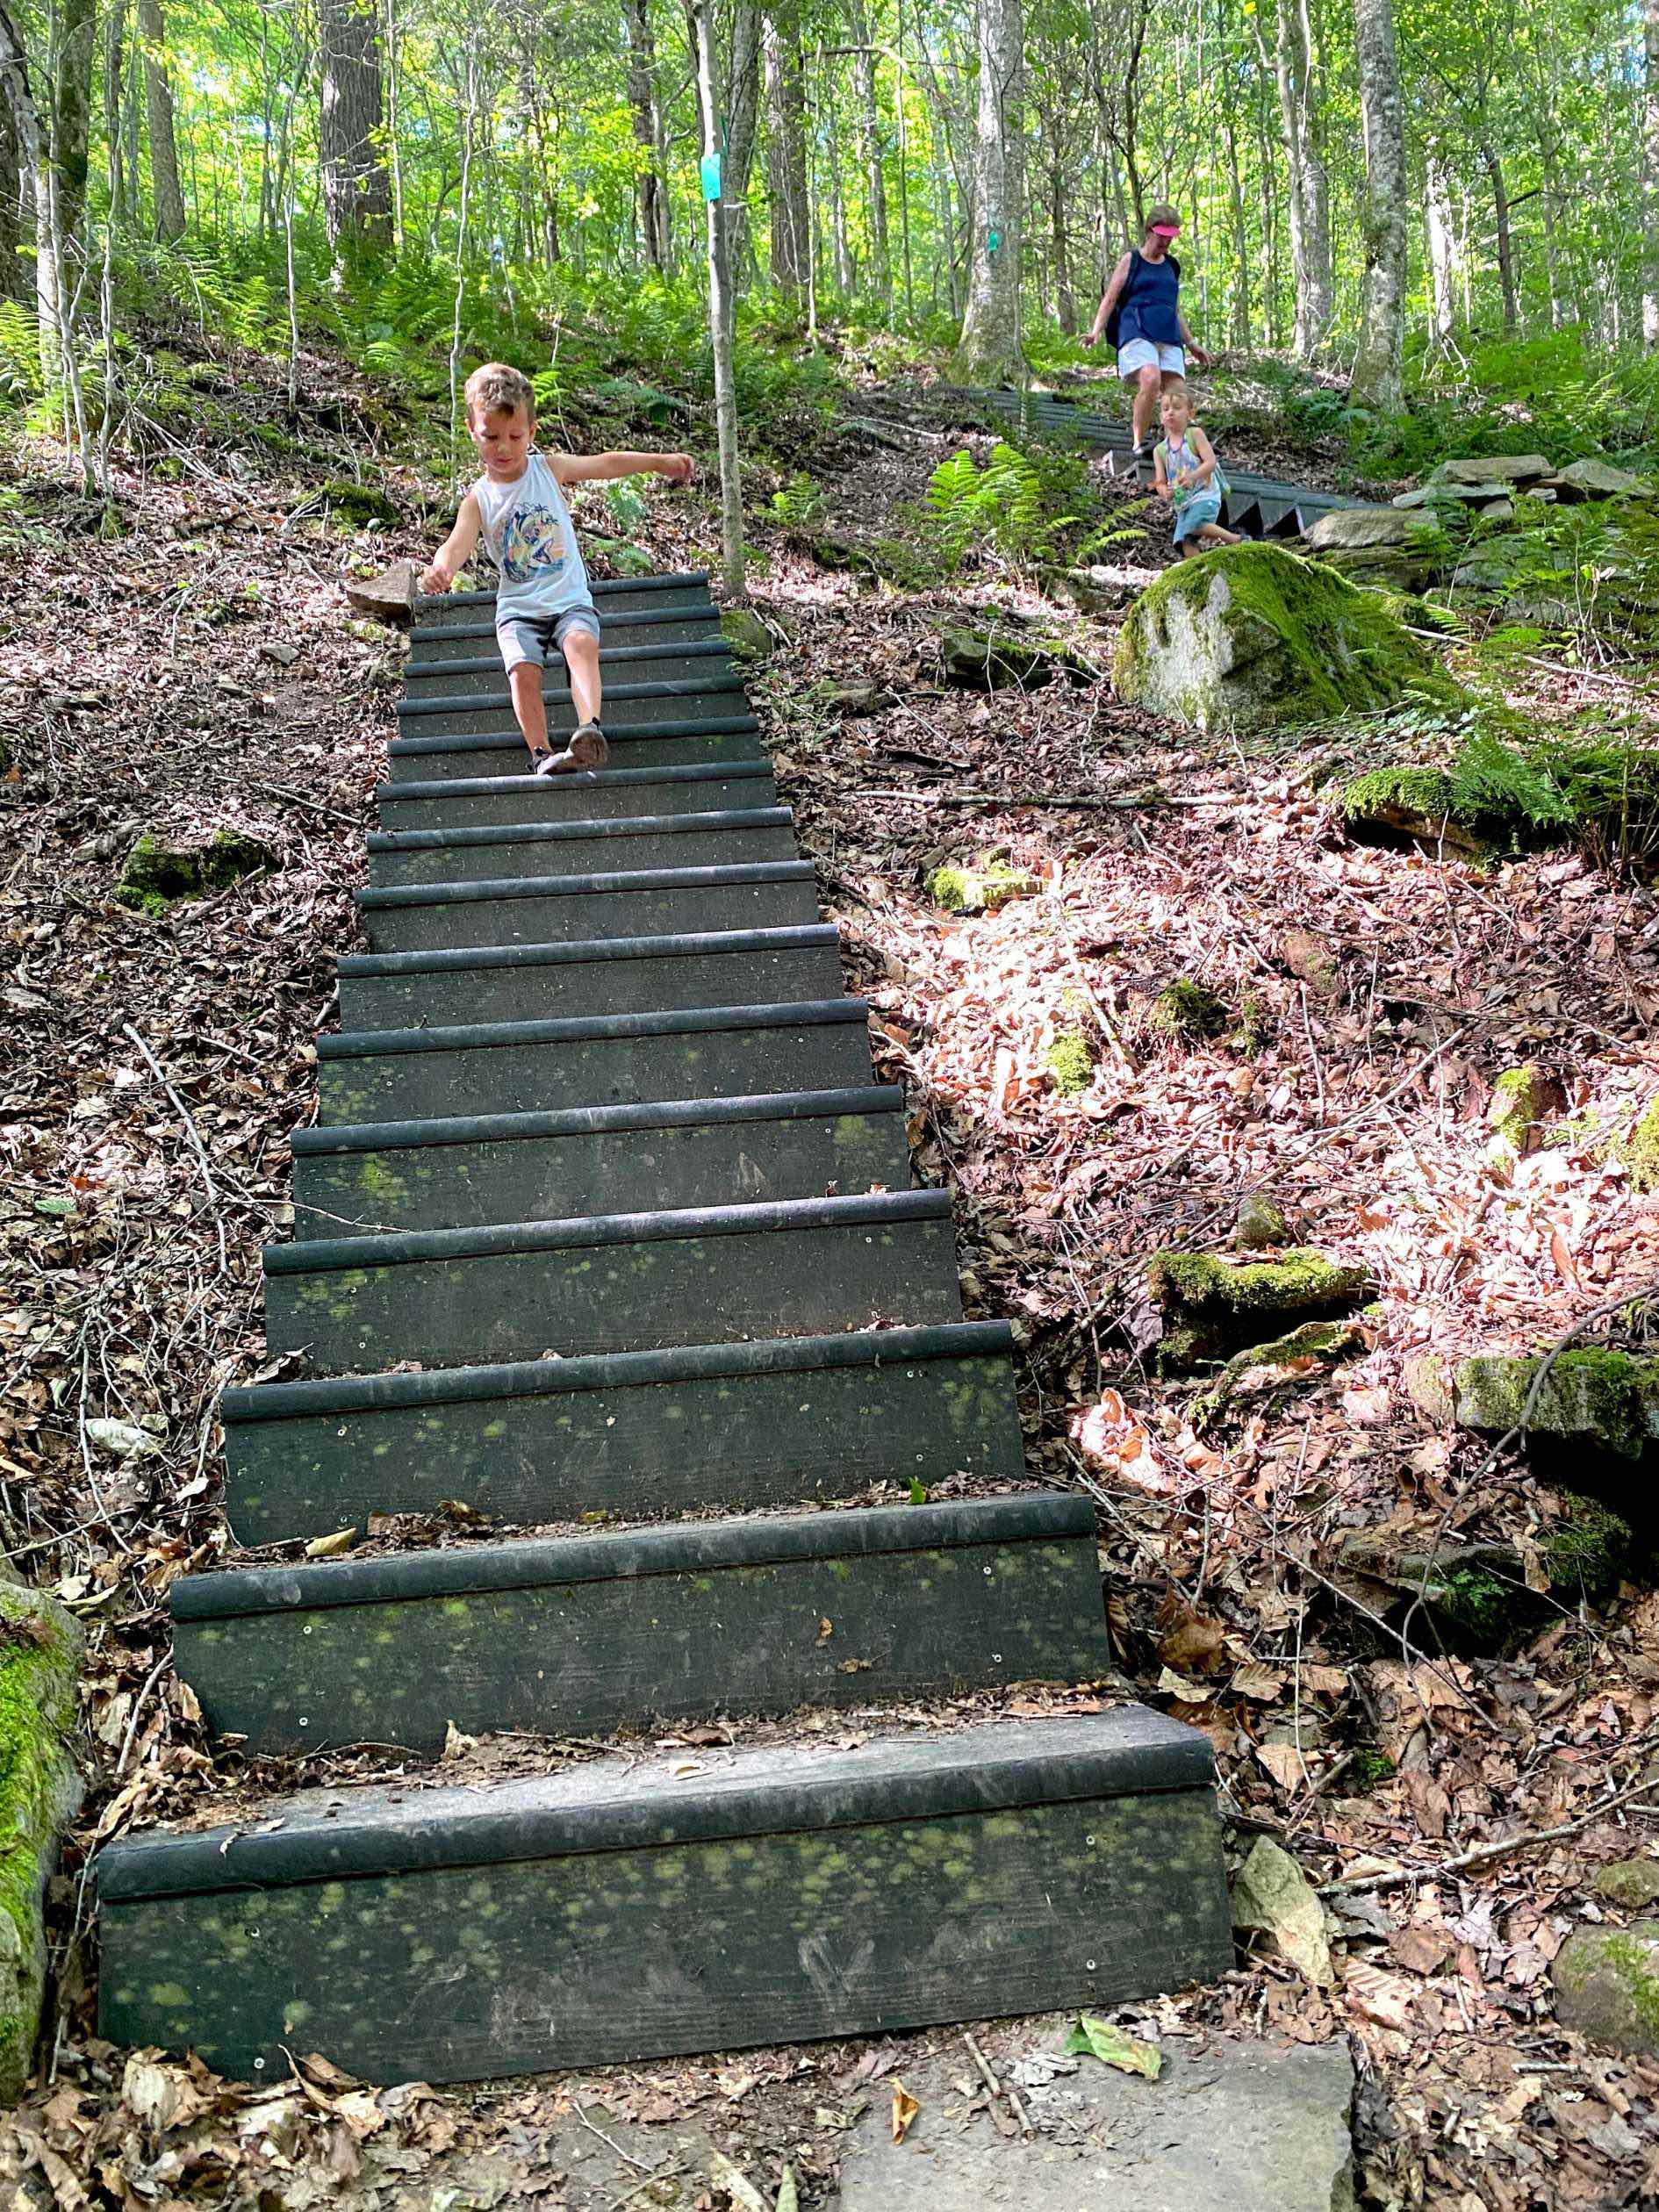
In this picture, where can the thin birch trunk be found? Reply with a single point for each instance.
(720, 311)
(869, 151)
(990, 351)
(1378, 380)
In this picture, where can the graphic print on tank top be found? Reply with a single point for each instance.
(533, 548)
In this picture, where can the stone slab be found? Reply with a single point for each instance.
(626, 1909)
(466, 1174)
(779, 1422)
(617, 1059)
(768, 895)
(597, 977)
(479, 802)
(584, 1635)
(1234, 2126)
(614, 1282)
(629, 843)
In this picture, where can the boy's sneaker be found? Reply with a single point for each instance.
(544, 763)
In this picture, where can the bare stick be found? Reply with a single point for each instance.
(998, 2088)
(1485, 1852)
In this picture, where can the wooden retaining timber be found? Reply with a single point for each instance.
(602, 1198)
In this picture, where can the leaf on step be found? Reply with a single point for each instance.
(1093, 2038)
(905, 2108)
(331, 1547)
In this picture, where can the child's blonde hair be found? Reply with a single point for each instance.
(1180, 391)
(497, 389)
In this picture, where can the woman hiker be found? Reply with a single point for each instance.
(1141, 314)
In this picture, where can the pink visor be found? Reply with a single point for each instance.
(1166, 230)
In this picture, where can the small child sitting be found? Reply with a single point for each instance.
(1185, 471)
(518, 505)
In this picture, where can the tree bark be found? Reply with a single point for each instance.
(720, 311)
(786, 148)
(870, 152)
(1437, 226)
(1494, 169)
(1378, 379)
(11, 205)
(650, 188)
(990, 350)
(71, 112)
(1064, 298)
(1240, 333)
(122, 188)
(357, 190)
(158, 100)
(1309, 193)
(743, 115)
(1650, 167)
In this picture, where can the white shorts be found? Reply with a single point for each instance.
(1141, 352)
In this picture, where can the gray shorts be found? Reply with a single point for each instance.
(525, 637)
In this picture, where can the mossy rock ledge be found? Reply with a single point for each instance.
(1254, 637)
(158, 874)
(40, 1647)
(1599, 1405)
(1606, 1982)
(1214, 1305)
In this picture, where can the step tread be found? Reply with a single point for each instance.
(500, 833)
(585, 1028)
(441, 960)
(577, 1121)
(387, 897)
(481, 664)
(585, 779)
(499, 695)
(679, 1548)
(622, 1804)
(430, 605)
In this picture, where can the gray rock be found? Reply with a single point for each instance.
(1494, 467)
(1632, 1883)
(1352, 528)
(1238, 2127)
(1594, 479)
(1261, 1223)
(1439, 492)
(1603, 1400)
(1606, 1983)
(746, 635)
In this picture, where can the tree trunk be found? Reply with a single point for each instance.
(158, 99)
(1378, 377)
(1494, 169)
(720, 311)
(990, 351)
(357, 190)
(11, 205)
(650, 189)
(1650, 166)
(841, 243)
(1437, 225)
(743, 115)
(1240, 333)
(71, 109)
(1309, 192)
(122, 188)
(870, 150)
(1064, 298)
(786, 148)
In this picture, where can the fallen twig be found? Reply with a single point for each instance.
(188, 1119)
(1483, 1853)
(998, 2088)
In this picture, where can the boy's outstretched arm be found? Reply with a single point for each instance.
(456, 549)
(605, 467)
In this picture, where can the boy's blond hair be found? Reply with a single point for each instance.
(497, 389)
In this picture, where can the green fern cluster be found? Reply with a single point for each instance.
(1015, 507)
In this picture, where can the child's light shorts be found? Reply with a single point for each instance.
(1141, 352)
(1204, 507)
(525, 637)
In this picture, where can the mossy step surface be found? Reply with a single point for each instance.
(640, 701)
(628, 842)
(599, 795)
(488, 1169)
(612, 595)
(660, 661)
(625, 1909)
(608, 1059)
(676, 624)
(587, 1634)
(627, 976)
(613, 1283)
(716, 730)
(778, 1421)
(761, 895)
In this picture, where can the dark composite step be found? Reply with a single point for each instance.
(526, 849)
(601, 975)
(676, 624)
(430, 917)
(716, 734)
(608, 1059)
(626, 1909)
(503, 1167)
(599, 794)
(613, 1283)
(586, 1635)
(612, 595)
(641, 704)
(780, 1421)
(700, 658)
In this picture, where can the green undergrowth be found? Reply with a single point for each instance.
(1070, 1063)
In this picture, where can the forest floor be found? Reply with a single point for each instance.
(202, 671)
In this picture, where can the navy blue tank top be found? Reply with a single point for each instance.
(1149, 307)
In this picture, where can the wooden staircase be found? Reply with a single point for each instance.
(603, 1214)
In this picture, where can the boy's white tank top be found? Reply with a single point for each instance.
(530, 537)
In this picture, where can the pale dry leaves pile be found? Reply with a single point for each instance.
(1380, 995)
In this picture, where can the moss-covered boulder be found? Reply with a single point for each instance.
(1603, 1404)
(984, 661)
(159, 873)
(1524, 1102)
(1261, 1225)
(1640, 1150)
(977, 886)
(1189, 1011)
(746, 635)
(39, 1790)
(1606, 1983)
(1214, 1305)
(1631, 1884)
(365, 505)
(1252, 637)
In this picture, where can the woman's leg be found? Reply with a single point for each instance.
(1148, 387)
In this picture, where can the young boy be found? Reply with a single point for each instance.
(1185, 471)
(517, 506)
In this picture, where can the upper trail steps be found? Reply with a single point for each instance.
(604, 1216)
